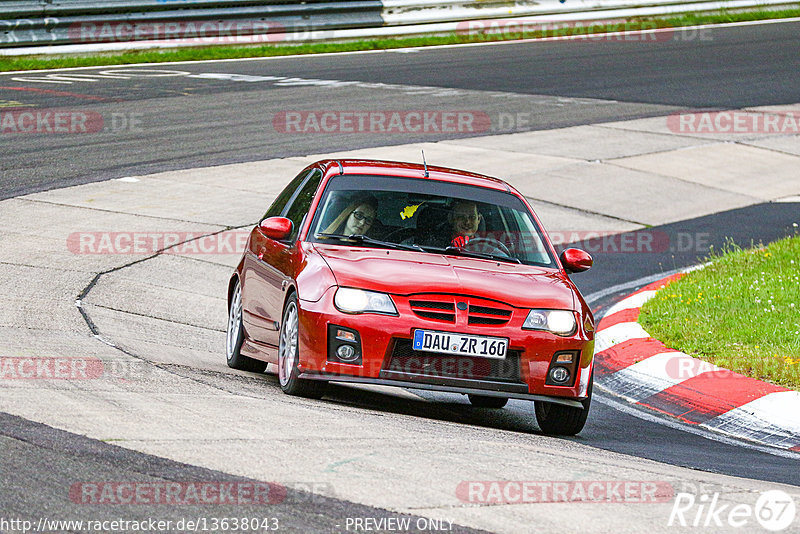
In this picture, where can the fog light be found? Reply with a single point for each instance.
(344, 345)
(346, 353)
(559, 374)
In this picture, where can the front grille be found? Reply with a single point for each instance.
(485, 315)
(487, 321)
(435, 305)
(406, 360)
(434, 309)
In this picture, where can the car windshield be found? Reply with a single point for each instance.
(428, 216)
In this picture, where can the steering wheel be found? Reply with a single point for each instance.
(488, 245)
(398, 235)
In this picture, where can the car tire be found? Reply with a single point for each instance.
(482, 401)
(560, 420)
(289, 353)
(235, 337)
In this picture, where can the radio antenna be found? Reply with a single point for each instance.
(424, 163)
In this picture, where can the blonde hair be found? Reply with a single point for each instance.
(337, 225)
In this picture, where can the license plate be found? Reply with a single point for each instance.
(462, 344)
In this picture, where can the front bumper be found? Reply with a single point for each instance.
(386, 357)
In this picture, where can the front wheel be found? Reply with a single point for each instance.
(288, 356)
(235, 337)
(558, 419)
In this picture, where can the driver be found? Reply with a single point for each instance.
(464, 221)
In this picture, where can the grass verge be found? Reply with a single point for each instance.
(230, 52)
(742, 312)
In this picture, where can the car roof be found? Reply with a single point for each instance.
(410, 170)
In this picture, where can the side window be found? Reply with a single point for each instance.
(280, 202)
(302, 201)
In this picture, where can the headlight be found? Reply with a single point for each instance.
(349, 300)
(560, 322)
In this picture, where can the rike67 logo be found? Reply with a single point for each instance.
(774, 510)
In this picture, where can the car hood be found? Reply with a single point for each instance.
(406, 272)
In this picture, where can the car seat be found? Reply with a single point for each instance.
(433, 228)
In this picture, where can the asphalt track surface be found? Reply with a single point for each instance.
(574, 83)
(180, 120)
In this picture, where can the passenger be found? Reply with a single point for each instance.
(464, 222)
(356, 219)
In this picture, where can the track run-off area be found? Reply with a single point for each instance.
(126, 195)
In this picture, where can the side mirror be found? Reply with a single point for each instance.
(277, 228)
(576, 260)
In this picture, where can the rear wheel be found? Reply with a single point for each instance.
(563, 420)
(482, 401)
(288, 355)
(235, 337)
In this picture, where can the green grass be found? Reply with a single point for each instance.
(742, 312)
(267, 50)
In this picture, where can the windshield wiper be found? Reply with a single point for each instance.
(482, 255)
(361, 238)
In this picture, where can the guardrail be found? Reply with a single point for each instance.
(48, 23)
(152, 23)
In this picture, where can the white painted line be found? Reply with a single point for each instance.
(645, 378)
(773, 418)
(120, 74)
(646, 415)
(674, 367)
(57, 78)
(619, 288)
(636, 300)
(630, 386)
(235, 77)
(284, 81)
(43, 80)
(781, 408)
(614, 335)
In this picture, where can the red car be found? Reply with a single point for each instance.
(419, 277)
